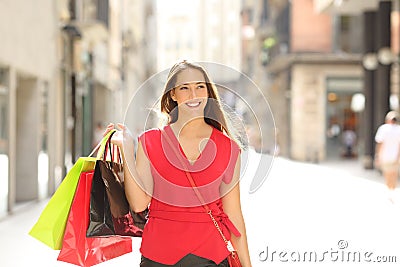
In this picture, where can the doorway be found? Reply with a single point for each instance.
(343, 135)
(27, 140)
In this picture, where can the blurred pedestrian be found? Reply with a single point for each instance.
(387, 152)
(349, 141)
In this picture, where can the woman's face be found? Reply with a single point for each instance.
(190, 91)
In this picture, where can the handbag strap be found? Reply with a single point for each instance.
(197, 192)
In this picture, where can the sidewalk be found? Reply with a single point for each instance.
(353, 167)
(300, 207)
(19, 249)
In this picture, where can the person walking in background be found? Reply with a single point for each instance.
(179, 231)
(387, 152)
(349, 141)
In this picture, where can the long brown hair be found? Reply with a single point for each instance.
(213, 113)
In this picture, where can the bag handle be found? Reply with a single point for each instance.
(113, 151)
(197, 192)
(101, 146)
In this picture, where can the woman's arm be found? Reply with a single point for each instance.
(232, 207)
(138, 180)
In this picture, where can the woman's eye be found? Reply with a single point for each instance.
(201, 86)
(183, 88)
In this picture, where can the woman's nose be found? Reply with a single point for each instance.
(192, 92)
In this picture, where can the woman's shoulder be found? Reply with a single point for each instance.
(225, 140)
(149, 133)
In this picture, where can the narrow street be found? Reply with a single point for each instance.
(303, 215)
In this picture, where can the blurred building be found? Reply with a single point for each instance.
(109, 59)
(29, 90)
(308, 62)
(206, 31)
(380, 61)
(198, 30)
(65, 66)
(262, 133)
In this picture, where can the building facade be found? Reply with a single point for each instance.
(380, 61)
(65, 66)
(198, 30)
(308, 62)
(29, 90)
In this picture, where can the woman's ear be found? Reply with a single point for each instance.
(172, 94)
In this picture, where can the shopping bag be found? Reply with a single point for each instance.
(109, 208)
(76, 247)
(50, 226)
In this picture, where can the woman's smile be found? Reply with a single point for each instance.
(193, 104)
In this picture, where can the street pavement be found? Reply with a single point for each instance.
(329, 214)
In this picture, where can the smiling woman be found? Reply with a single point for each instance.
(187, 173)
(192, 95)
(182, 74)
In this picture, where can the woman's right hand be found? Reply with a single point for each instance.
(121, 137)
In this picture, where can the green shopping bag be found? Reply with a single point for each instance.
(50, 226)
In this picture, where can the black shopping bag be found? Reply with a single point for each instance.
(110, 213)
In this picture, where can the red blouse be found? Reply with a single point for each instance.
(178, 224)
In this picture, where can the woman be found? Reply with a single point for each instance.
(179, 232)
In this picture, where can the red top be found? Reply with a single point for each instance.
(178, 224)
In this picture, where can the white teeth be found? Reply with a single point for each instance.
(193, 104)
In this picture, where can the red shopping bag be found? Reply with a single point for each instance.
(87, 251)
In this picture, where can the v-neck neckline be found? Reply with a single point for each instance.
(182, 152)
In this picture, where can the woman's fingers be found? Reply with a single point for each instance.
(121, 126)
(123, 131)
(110, 126)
